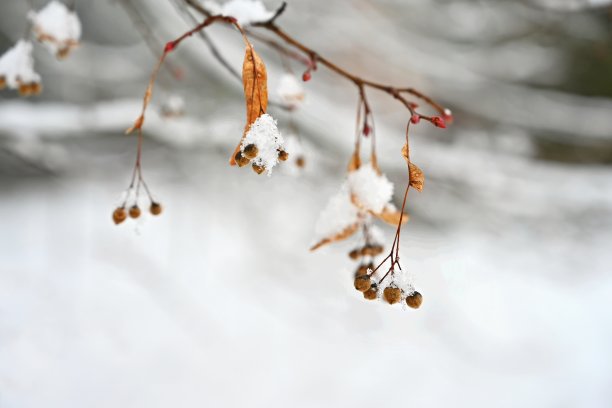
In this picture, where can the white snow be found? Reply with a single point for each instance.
(57, 27)
(244, 11)
(173, 106)
(264, 134)
(17, 65)
(339, 214)
(290, 90)
(372, 190)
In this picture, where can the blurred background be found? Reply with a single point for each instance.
(219, 303)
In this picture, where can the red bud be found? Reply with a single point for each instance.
(438, 121)
(448, 116)
(366, 130)
(416, 118)
(170, 47)
(306, 76)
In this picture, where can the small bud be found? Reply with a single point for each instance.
(258, 169)
(363, 283)
(283, 155)
(366, 130)
(447, 115)
(170, 46)
(392, 295)
(155, 208)
(416, 118)
(241, 160)
(372, 293)
(250, 151)
(119, 215)
(414, 300)
(413, 105)
(300, 162)
(438, 121)
(306, 76)
(355, 253)
(134, 211)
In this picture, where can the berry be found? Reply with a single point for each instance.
(241, 160)
(306, 76)
(283, 155)
(363, 283)
(134, 211)
(361, 270)
(250, 151)
(392, 295)
(414, 300)
(355, 254)
(371, 294)
(155, 208)
(119, 215)
(258, 169)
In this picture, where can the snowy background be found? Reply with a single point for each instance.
(219, 303)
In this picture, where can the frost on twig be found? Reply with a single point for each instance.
(246, 12)
(17, 69)
(57, 27)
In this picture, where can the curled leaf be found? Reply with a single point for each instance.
(392, 216)
(417, 178)
(344, 234)
(255, 81)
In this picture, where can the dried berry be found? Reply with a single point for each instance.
(119, 215)
(361, 270)
(155, 208)
(300, 162)
(258, 169)
(371, 294)
(241, 160)
(363, 283)
(371, 250)
(283, 155)
(250, 151)
(355, 253)
(414, 300)
(392, 295)
(134, 211)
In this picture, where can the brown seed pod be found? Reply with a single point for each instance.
(415, 300)
(355, 254)
(119, 215)
(2, 82)
(361, 270)
(35, 88)
(372, 250)
(283, 155)
(250, 151)
(363, 283)
(258, 169)
(134, 211)
(300, 162)
(392, 295)
(25, 89)
(241, 160)
(155, 208)
(371, 294)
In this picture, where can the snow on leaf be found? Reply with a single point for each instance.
(339, 220)
(57, 27)
(17, 66)
(290, 90)
(264, 134)
(371, 190)
(244, 11)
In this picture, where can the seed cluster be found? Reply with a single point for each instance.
(120, 214)
(249, 153)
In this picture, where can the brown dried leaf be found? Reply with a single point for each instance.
(137, 125)
(344, 234)
(417, 178)
(255, 81)
(392, 217)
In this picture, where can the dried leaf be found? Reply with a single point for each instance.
(392, 217)
(344, 234)
(255, 81)
(417, 178)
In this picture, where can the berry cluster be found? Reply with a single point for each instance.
(120, 214)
